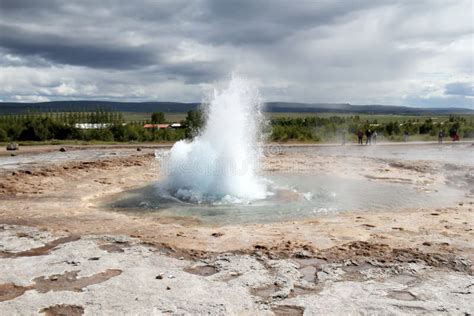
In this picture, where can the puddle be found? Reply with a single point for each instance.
(266, 291)
(63, 309)
(304, 262)
(296, 196)
(68, 281)
(405, 279)
(298, 290)
(9, 291)
(40, 251)
(288, 310)
(402, 295)
(115, 247)
(205, 270)
(309, 274)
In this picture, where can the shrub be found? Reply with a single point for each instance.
(3, 135)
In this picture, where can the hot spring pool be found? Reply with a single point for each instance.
(296, 196)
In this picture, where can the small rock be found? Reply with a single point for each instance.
(13, 146)
(302, 254)
(427, 243)
(171, 276)
(219, 234)
(94, 258)
(139, 149)
(62, 149)
(349, 262)
(159, 276)
(168, 288)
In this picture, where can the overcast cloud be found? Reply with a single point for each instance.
(416, 53)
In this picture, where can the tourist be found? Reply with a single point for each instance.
(343, 138)
(360, 135)
(374, 137)
(368, 135)
(440, 136)
(455, 137)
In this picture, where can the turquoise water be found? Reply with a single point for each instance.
(296, 196)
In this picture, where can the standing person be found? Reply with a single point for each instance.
(374, 137)
(455, 137)
(368, 134)
(405, 136)
(343, 138)
(440, 136)
(360, 135)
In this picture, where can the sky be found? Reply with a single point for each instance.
(411, 53)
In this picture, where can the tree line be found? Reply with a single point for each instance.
(47, 126)
(316, 129)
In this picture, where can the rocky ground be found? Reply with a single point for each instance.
(62, 253)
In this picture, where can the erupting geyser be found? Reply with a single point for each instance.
(221, 163)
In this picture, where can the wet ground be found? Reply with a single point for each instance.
(354, 278)
(294, 196)
(449, 152)
(396, 238)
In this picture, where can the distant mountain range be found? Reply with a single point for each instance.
(178, 107)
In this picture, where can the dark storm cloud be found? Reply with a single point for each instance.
(306, 50)
(25, 7)
(67, 50)
(460, 88)
(265, 22)
(218, 22)
(194, 72)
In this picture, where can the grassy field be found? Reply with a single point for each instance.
(381, 118)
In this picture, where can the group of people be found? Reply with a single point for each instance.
(455, 136)
(370, 137)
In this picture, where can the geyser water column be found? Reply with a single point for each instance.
(221, 163)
